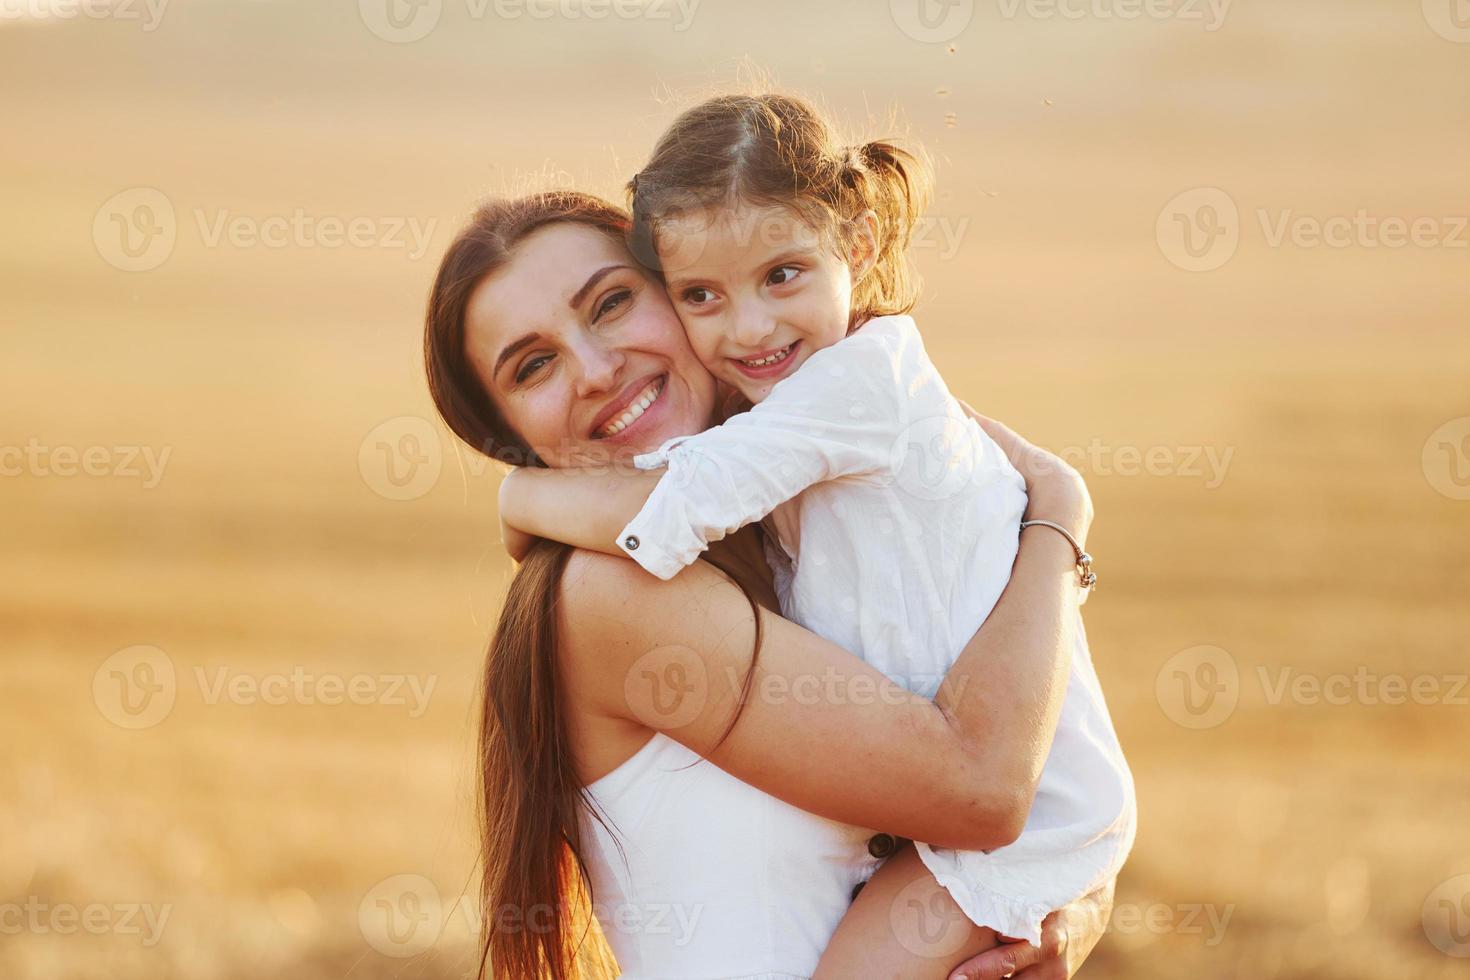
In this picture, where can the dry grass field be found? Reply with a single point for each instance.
(248, 578)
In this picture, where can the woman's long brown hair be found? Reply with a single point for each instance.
(535, 895)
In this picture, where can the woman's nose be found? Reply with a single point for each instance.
(599, 367)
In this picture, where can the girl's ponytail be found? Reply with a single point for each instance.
(895, 185)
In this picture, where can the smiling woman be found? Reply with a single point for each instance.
(583, 366)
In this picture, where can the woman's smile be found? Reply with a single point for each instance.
(625, 413)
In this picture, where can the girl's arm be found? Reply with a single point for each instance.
(585, 508)
(820, 729)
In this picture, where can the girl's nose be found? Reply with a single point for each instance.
(752, 330)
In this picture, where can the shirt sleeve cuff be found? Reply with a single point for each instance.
(639, 541)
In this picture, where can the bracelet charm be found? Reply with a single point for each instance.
(1086, 577)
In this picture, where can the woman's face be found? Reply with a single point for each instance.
(583, 354)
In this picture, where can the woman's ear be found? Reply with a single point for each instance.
(862, 248)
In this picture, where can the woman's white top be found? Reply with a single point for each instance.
(708, 878)
(898, 519)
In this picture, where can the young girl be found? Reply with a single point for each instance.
(893, 520)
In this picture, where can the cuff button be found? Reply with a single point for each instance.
(631, 542)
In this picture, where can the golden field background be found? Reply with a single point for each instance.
(283, 382)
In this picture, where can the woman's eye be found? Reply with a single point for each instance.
(698, 295)
(611, 302)
(782, 274)
(531, 367)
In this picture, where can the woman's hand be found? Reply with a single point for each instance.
(1056, 490)
(1068, 936)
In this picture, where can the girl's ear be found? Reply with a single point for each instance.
(862, 249)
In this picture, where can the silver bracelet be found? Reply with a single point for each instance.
(1087, 579)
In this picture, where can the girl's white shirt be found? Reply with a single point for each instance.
(897, 520)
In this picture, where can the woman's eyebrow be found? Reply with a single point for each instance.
(511, 350)
(591, 282)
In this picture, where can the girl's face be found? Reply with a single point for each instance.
(581, 353)
(758, 289)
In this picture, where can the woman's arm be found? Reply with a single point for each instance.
(1027, 705)
(821, 729)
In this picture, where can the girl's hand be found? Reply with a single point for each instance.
(1068, 935)
(1056, 490)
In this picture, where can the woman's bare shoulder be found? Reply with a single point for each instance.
(611, 612)
(597, 588)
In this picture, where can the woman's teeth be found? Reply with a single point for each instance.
(633, 411)
(780, 355)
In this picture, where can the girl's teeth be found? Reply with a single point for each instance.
(649, 396)
(780, 355)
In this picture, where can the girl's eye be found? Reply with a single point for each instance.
(611, 302)
(782, 274)
(698, 295)
(532, 366)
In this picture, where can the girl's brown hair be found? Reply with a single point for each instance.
(535, 897)
(779, 150)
